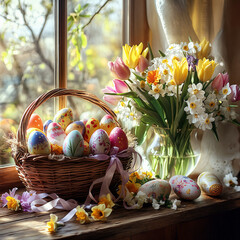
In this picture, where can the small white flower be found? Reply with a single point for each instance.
(206, 121)
(194, 105)
(175, 204)
(230, 181)
(237, 188)
(211, 102)
(196, 90)
(157, 90)
(155, 204)
(129, 198)
(225, 109)
(162, 202)
(226, 90)
(193, 48)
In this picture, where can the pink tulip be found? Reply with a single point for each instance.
(119, 69)
(220, 81)
(142, 64)
(119, 87)
(235, 93)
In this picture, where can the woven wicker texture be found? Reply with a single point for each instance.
(65, 176)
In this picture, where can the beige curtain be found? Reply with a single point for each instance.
(173, 21)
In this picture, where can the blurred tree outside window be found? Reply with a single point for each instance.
(27, 55)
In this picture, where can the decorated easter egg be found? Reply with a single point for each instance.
(78, 125)
(157, 189)
(45, 125)
(38, 143)
(73, 144)
(56, 149)
(186, 188)
(118, 139)
(107, 123)
(35, 122)
(64, 117)
(91, 126)
(30, 130)
(86, 150)
(173, 180)
(99, 142)
(55, 134)
(210, 184)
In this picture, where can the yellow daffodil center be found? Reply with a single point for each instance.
(175, 58)
(156, 90)
(165, 71)
(51, 226)
(164, 61)
(12, 204)
(192, 105)
(207, 121)
(195, 91)
(116, 111)
(225, 91)
(196, 115)
(122, 104)
(172, 82)
(212, 104)
(185, 47)
(98, 214)
(81, 216)
(133, 187)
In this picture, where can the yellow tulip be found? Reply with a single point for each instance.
(132, 54)
(205, 69)
(205, 49)
(180, 71)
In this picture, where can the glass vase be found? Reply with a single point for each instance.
(167, 157)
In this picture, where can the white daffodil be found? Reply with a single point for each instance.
(225, 110)
(193, 48)
(175, 204)
(155, 204)
(237, 188)
(206, 121)
(230, 181)
(157, 90)
(211, 103)
(194, 105)
(141, 198)
(196, 90)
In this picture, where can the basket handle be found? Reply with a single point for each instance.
(21, 133)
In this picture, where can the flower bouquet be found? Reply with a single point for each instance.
(181, 90)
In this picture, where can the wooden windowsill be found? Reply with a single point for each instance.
(198, 218)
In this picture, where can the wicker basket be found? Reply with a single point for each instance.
(68, 177)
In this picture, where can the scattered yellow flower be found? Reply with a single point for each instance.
(147, 174)
(133, 187)
(132, 54)
(12, 204)
(205, 69)
(100, 212)
(205, 49)
(106, 200)
(52, 225)
(180, 70)
(134, 176)
(153, 77)
(82, 215)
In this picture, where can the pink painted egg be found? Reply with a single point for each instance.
(186, 188)
(78, 125)
(86, 150)
(118, 139)
(73, 144)
(99, 142)
(91, 126)
(107, 123)
(64, 117)
(157, 189)
(35, 122)
(55, 134)
(38, 143)
(46, 124)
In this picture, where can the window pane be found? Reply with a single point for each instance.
(90, 48)
(26, 62)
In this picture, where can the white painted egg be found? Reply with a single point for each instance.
(186, 188)
(99, 142)
(73, 144)
(158, 189)
(55, 134)
(210, 184)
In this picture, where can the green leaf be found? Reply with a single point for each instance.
(214, 129)
(141, 132)
(162, 54)
(190, 39)
(78, 8)
(236, 122)
(185, 86)
(84, 40)
(150, 51)
(139, 77)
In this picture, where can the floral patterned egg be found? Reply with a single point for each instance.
(210, 184)
(118, 139)
(38, 143)
(157, 189)
(64, 117)
(45, 125)
(30, 130)
(86, 150)
(73, 144)
(99, 142)
(107, 123)
(91, 126)
(186, 188)
(35, 122)
(78, 125)
(55, 134)
(173, 180)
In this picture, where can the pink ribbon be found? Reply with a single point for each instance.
(115, 164)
